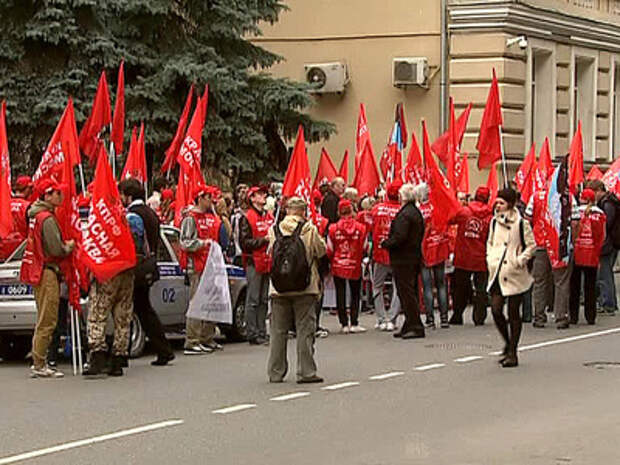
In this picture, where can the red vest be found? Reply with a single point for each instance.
(322, 224)
(382, 216)
(472, 221)
(538, 221)
(208, 227)
(20, 227)
(436, 244)
(589, 243)
(260, 225)
(34, 258)
(347, 238)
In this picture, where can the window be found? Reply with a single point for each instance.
(615, 114)
(542, 105)
(173, 238)
(584, 102)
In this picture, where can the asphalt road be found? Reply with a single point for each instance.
(440, 400)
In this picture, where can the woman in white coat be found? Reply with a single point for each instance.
(510, 246)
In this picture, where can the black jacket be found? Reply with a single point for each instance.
(609, 203)
(329, 207)
(247, 241)
(151, 224)
(405, 240)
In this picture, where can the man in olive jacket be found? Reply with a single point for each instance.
(405, 246)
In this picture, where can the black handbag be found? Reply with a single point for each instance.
(146, 271)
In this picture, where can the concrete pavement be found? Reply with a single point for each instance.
(430, 401)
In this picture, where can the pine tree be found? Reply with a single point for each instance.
(50, 49)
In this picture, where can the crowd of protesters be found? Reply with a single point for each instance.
(493, 253)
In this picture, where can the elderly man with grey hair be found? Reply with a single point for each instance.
(405, 247)
(329, 207)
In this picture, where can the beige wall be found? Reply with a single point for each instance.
(367, 35)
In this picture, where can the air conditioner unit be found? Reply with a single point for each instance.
(327, 77)
(410, 71)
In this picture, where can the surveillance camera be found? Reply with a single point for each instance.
(521, 41)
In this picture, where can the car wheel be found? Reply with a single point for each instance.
(15, 347)
(138, 338)
(237, 332)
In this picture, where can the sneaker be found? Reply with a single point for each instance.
(52, 364)
(194, 350)
(430, 323)
(345, 330)
(445, 324)
(214, 346)
(390, 326)
(358, 329)
(321, 333)
(205, 348)
(45, 372)
(378, 325)
(382, 326)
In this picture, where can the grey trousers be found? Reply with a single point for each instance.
(285, 310)
(551, 289)
(379, 274)
(256, 303)
(543, 286)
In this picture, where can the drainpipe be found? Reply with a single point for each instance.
(443, 86)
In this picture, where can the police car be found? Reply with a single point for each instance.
(169, 297)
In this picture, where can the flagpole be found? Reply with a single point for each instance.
(73, 357)
(81, 170)
(501, 141)
(78, 339)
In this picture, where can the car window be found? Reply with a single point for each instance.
(17, 253)
(173, 238)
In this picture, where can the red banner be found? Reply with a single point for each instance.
(118, 122)
(100, 117)
(173, 151)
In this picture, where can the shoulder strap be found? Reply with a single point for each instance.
(298, 229)
(522, 234)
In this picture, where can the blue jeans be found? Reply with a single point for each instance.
(606, 282)
(435, 275)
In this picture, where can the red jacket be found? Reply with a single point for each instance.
(382, 215)
(538, 218)
(346, 248)
(471, 240)
(260, 225)
(34, 259)
(322, 224)
(365, 217)
(208, 227)
(436, 244)
(591, 236)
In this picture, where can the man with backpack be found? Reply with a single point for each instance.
(296, 248)
(610, 204)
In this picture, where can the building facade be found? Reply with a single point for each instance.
(557, 63)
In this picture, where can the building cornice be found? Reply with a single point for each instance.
(536, 21)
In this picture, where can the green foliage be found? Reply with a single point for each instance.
(50, 49)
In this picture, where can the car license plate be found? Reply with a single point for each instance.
(15, 290)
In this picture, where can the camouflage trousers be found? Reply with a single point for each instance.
(115, 296)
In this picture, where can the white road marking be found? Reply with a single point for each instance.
(89, 441)
(563, 340)
(232, 409)
(392, 374)
(334, 387)
(471, 358)
(430, 367)
(294, 395)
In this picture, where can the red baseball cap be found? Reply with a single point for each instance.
(167, 194)
(344, 205)
(201, 189)
(393, 188)
(588, 195)
(482, 194)
(48, 185)
(23, 182)
(254, 189)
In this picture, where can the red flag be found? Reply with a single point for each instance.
(343, 172)
(414, 169)
(297, 179)
(611, 178)
(367, 178)
(362, 135)
(575, 161)
(173, 151)
(183, 197)
(190, 152)
(135, 166)
(526, 175)
(493, 184)
(402, 123)
(6, 219)
(595, 173)
(63, 146)
(326, 171)
(440, 146)
(107, 248)
(544, 169)
(441, 196)
(461, 171)
(489, 142)
(118, 123)
(452, 148)
(100, 117)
